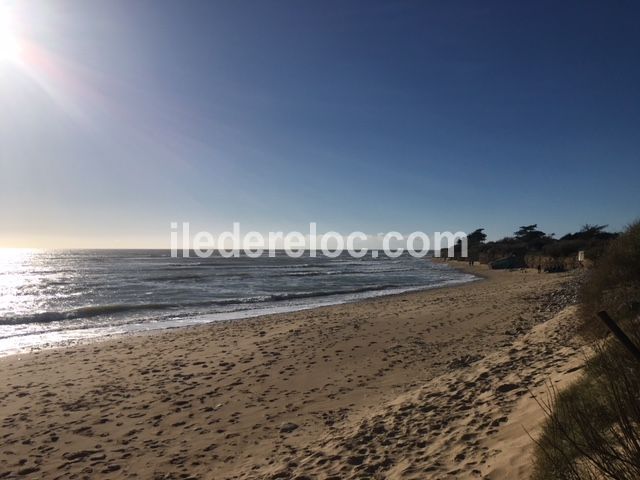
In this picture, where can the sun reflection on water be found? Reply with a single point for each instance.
(14, 265)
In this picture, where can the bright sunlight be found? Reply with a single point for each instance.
(9, 42)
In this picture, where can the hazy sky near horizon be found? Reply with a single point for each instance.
(119, 117)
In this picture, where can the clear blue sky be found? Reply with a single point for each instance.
(117, 117)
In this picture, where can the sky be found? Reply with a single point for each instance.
(118, 117)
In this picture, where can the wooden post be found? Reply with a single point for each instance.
(620, 335)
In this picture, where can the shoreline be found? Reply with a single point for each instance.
(90, 335)
(267, 396)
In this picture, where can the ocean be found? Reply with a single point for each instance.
(50, 298)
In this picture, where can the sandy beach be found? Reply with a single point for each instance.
(431, 384)
(357, 240)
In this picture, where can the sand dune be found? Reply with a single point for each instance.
(411, 386)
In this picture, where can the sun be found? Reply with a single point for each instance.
(10, 49)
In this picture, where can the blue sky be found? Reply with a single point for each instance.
(119, 117)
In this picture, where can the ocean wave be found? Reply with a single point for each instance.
(175, 278)
(76, 313)
(92, 311)
(326, 293)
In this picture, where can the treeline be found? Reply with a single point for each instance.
(531, 247)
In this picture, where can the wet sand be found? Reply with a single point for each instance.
(419, 385)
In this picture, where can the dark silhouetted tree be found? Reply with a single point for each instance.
(477, 237)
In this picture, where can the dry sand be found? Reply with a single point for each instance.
(424, 385)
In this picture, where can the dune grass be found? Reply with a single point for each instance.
(592, 430)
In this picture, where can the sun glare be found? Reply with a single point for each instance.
(9, 41)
